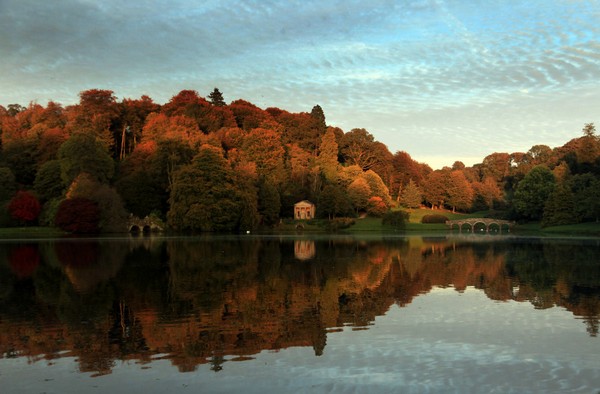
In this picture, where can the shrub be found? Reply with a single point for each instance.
(376, 207)
(78, 215)
(339, 224)
(396, 219)
(435, 218)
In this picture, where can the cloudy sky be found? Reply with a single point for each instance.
(443, 80)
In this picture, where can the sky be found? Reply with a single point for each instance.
(443, 80)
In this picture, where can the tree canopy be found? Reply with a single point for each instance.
(201, 164)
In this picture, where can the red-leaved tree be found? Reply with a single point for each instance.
(24, 206)
(78, 215)
(24, 260)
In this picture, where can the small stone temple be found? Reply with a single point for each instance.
(304, 210)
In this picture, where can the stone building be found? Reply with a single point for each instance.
(304, 210)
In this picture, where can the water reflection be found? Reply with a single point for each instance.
(206, 300)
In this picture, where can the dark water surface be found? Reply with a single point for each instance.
(483, 314)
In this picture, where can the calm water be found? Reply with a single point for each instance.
(484, 314)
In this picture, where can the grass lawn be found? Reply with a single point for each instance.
(414, 222)
(417, 214)
(29, 232)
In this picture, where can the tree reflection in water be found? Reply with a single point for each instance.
(208, 300)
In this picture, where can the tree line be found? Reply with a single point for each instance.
(200, 164)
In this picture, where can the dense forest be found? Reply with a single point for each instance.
(200, 164)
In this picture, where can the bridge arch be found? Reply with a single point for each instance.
(146, 226)
(479, 225)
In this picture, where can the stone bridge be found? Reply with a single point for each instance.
(145, 225)
(486, 222)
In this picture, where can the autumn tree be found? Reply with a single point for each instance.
(496, 166)
(160, 127)
(181, 102)
(458, 191)
(378, 187)
(301, 129)
(133, 117)
(485, 194)
(95, 115)
(247, 115)
(376, 206)
(589, 148)
(24, 207)
(434, 188)
(265, 149)
(78, 216)
(358, 147)
(299, 163)
(404, 169)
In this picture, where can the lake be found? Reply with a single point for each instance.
(300, 314)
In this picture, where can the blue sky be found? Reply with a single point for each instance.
(442, 80)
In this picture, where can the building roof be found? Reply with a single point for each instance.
(304, 202)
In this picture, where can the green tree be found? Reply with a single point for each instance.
(586, 189)
(269, 202)
(318, 114)
(359, 193)
(333, 202)
(9, 185)
(21, 156)
(559, 208)
(48, 182)
(411, 196)
(532, 193)
(141, 193)
(216, 98)
(83, 153)
(327, 159)
(204, 195)
(395, 219)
